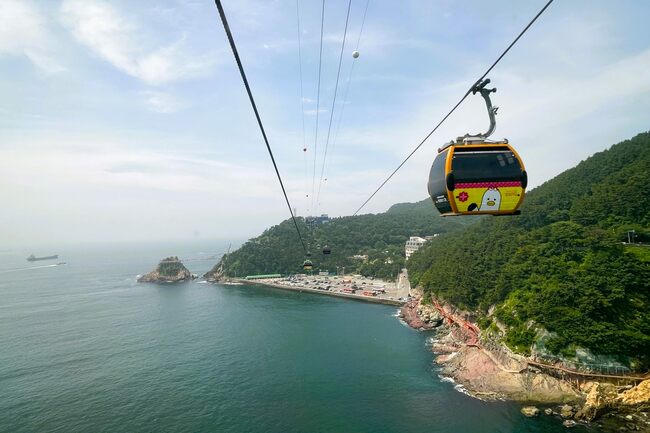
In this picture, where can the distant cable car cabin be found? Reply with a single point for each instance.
(307, 265)
(327, 250)
(473, 176)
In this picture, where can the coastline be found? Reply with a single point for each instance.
(487, 370)
(372, 299)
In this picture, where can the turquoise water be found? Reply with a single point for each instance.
(84, 348)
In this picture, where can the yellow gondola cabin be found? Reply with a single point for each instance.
(473, 175)
(478, 178)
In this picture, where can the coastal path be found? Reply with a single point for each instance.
(473, 331)
(569, 374)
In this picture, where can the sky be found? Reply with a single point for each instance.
(124, 120)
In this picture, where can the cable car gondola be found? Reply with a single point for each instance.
(327, 250)
(472, 175)
(307, 265)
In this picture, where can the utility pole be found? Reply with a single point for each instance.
(631, 234)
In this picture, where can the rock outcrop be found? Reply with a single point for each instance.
(605, 397)
(637, 397)
(566, 411)
(420, 316)
(600, 398)
(169, 270)
(530, 411)
(216, 274)
(607, 401)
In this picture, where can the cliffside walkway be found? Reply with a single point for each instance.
(474, 330)
(569, 374)
(578, 374)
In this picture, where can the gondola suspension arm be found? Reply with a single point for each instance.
(480, 87)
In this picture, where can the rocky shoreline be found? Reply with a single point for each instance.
(490, 371)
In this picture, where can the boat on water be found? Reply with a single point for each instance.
(33, 258)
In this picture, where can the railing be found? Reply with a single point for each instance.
(628, 376)
(586, 367)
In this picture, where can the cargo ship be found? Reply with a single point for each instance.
(33, 258)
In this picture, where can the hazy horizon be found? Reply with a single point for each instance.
(127, 121)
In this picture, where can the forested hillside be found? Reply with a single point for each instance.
(561, 265)
(379, 236)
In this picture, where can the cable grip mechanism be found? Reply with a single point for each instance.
(481, 87)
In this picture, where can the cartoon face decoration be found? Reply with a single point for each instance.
(491, 200)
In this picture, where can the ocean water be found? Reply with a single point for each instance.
(84, 348)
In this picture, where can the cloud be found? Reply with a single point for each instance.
(105, 189)
(562, 101)
(279, 45)
(162, 102)
(57, 164)
(116, 39)
(23, 31)
(313, 112)
(253, 14)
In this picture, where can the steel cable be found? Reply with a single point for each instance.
(457, 104)
(226, 27)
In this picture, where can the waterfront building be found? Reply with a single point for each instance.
(414, 243)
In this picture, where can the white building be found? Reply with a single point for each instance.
(414, 243)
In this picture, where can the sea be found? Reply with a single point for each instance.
(85, 348)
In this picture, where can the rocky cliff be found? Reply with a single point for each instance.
(490, 370)
(169, 270)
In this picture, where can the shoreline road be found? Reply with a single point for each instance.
(344, 286)
(403, 284)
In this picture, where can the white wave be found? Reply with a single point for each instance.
(400, 319)
(202, 282)
(28, 268)
(452, 355)
(460, 388)
(457, 386)
(446, 379)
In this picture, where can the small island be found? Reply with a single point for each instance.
(169, 270)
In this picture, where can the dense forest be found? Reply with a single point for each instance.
(381, 237)
(561, 265)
